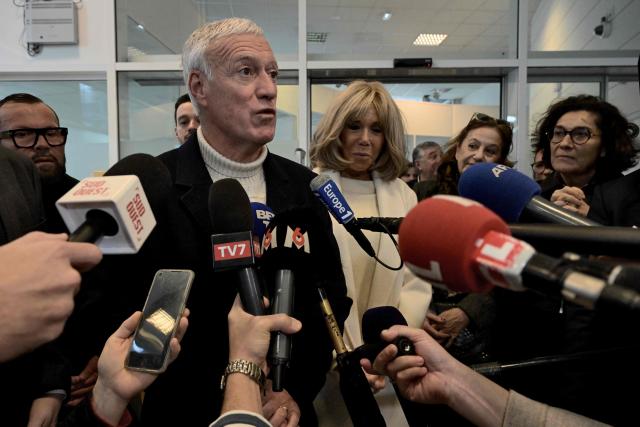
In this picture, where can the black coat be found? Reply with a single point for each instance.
(617, 202)
(188, 393)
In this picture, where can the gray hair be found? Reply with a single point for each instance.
(194, 52)
(423, 146)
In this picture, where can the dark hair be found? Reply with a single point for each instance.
(423, 146)
(27, 98)
(181, 100)
(448, 173)
(408, 165)
(503, 129)
(616, 132)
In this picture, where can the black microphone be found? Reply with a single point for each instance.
(379, 224)
(513, 195)
(232, 240)
(117, 209)
(464, 247)
(626, 275)
(285, 250)
(556, 239)
(374, 321)
(354, 387)
(327, 191)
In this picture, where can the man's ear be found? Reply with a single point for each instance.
(197, 86)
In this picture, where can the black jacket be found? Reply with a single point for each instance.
(617, 202)
(188, 392)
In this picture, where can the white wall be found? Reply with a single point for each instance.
(95, 35)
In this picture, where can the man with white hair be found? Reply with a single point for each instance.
(230, 72)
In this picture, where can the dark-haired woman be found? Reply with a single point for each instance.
(587, 142)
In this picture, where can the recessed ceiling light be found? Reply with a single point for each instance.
(386, 16)
(429, 39)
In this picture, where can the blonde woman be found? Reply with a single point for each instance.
(359, 143)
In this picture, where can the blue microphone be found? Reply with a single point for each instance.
(510, 194)
(329, 194)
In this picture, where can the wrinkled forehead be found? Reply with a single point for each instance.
(238, 46)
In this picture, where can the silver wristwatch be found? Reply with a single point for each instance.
(245, 367)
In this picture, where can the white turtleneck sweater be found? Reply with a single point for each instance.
(250, 175)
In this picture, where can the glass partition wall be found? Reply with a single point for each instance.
(485, 54)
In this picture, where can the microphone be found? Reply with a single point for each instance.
(327, 191)
(113, 210)
(374, 321)
(379, 224)
(553, 239)
(511, 194)
(467, 248)
(354, 387)
(626, 275)
(285, 249)
(556, 239)
(232, 240)
(262, 215)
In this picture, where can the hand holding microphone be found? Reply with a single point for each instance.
(39, 277)
(113, 210)
(286, 250)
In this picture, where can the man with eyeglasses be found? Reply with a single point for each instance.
(32, 128)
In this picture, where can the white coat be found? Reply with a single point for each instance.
(401, 289)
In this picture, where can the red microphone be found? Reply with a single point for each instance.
(438, 238)
(459, 244)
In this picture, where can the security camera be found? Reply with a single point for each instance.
(604, 29)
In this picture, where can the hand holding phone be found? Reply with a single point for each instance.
(165, 303)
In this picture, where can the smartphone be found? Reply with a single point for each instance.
(165, 303)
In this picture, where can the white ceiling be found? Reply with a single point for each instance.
(476, 28)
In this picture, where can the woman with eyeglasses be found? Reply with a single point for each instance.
(483, 139)
(587, 142)
(359, 144)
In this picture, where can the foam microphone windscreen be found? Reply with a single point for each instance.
(438, 236)
(152, 173)
(262, 215)
(229, 207)
(377, 319)
(500, 188)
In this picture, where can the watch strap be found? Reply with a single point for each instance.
(240, 366)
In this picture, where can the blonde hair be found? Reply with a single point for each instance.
(194, 52)
(351, 105)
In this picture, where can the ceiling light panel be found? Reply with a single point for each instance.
(429, 39)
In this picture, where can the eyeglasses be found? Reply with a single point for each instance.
(485, 118)
(537, 166)
(28, 138)
(579, 135)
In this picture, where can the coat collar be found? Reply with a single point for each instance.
(193, 180)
